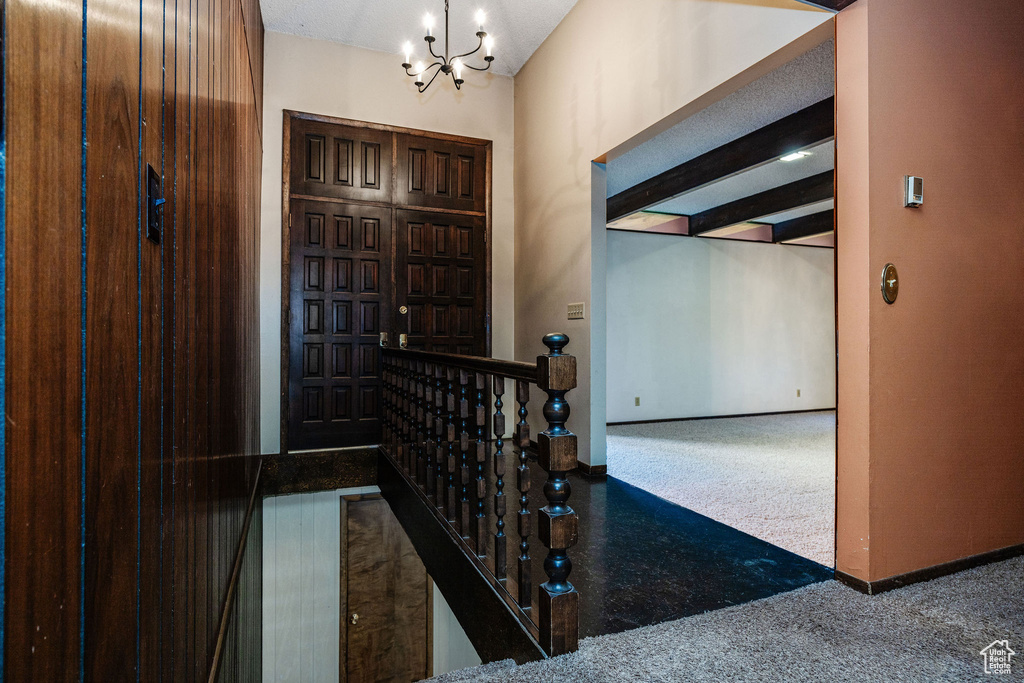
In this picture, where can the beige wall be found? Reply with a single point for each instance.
(611, 70)
(931, 428)
(338, 80)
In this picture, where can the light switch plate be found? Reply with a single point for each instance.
(577, 311)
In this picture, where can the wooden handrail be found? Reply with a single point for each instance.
(509, 369)
(435, 412)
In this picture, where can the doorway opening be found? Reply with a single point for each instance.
(720, 304)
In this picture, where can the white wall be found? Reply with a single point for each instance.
(338, 80)
(452, 648)
(610, 71)
(702, 327)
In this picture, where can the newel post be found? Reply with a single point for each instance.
(558, 524)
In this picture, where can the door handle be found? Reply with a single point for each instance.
(384, 339)
(354, 619)
(403, 341)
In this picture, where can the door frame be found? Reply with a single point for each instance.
(289, 115)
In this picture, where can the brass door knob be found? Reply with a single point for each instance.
(403, 310)
(355, 618)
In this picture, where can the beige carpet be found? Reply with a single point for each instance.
(772, 477)
(931, 632)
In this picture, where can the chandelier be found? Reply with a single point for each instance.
(450, 66)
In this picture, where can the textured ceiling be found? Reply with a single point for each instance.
(807, 79)
(518, 26)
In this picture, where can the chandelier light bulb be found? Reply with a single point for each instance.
(407, 49)
(419, 69)
(457, 65)
(480, 17)
(489, 44)
(428, 23)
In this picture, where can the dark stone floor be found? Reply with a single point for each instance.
(642, 560)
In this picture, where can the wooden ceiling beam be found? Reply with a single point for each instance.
(806, 127)
(834, 5)
(805, 226)
(816, 188)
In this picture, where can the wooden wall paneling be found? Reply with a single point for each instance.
(112, 341)
(43, 339)
(151, 313)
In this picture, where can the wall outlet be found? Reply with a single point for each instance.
(637, 399)
(577, 311)
(798, 393)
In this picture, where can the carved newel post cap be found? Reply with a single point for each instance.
(555, 341)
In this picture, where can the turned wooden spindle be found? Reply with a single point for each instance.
(558, 526)
(464, 453)
(451, 500)
(430, 446)
(478, 525)
(400, 449)
(500, 540)
(421, 425)
(523, 483)
(439, 479)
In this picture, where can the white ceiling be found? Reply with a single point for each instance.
(518, 26)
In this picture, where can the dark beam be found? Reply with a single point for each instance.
(834, 5)
(816, 188)
(808, 126)
(805, 226)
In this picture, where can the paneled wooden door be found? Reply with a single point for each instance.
(340, 297)
(441, 279)
(416, 263)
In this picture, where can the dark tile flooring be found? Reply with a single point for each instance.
(642, 560)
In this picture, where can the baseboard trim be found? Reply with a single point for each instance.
(236, 572)
(929, 573)
(718, 417)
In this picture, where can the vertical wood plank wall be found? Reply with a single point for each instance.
(130, 369)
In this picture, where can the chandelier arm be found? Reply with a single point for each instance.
(430, 47)
(421, 89)
(430, 66)
(477, 68)
(479, 45)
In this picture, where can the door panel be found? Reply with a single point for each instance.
(330, 160)
(441, 174)
(340, 262)
(441, 281)
(387, 597)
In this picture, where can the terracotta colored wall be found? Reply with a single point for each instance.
(942, 461)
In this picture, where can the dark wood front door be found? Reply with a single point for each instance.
(441, 278)
(340, 298)
(387, 233)
(388, 618)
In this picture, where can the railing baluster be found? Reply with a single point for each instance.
(400, 403)
(451, 502)
(500, 561)
(439, 435)
(478, 524)
(421, 427)
(523, 482)
(428, 417)
(558, 524)
(464, 453)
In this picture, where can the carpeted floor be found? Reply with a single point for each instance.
(772, 477)
(826, 632)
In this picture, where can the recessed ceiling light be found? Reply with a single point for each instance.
(795, 156)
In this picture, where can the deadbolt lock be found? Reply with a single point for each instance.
(403, 310)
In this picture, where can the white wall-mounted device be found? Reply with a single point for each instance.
(913, 191)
